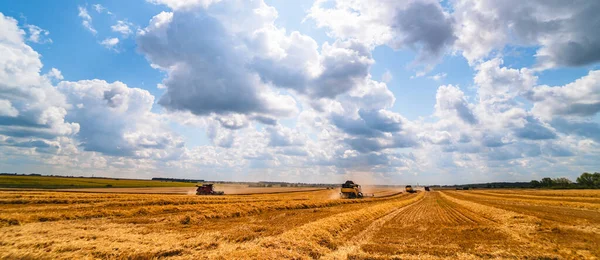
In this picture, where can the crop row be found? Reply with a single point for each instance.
(197, 210)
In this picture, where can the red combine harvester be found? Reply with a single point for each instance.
(207, 189)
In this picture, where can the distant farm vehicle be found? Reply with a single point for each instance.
(426, 188)
(410, 189)
(207, 189)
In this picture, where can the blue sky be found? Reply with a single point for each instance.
(300, 90)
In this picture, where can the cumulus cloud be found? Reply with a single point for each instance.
(283, 136)
(499, 129)
(500, 84)
(423, 26)
(214, 75)
(382, 120)
(336, 70)
(233, 122)
(54, 73)
(535, 130)
(221, 136)
(31, 106)
(579, 98)
(116, 120)
(565, 33)
(578, 127)
(206, 72)
(451, 102)
(7, 110)
(419, 25)
(353, 126)
(49, 125)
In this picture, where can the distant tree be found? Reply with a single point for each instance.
(562, 182)
(535, 184)
(547, 182)
(596, 179)
(586, 179)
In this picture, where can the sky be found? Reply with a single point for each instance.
(382, 92)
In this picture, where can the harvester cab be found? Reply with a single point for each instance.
(207, 189)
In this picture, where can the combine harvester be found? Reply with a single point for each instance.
(410, 189)
(207, 189)
(351, 190)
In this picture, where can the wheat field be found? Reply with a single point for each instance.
(301, 225)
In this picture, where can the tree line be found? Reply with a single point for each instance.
(585, 180)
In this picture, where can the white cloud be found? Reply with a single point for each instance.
(40, 108)
(110, 43)
(579, 98)
(184, 4)
(39, 124)
(86, 20)
(38, 35)
(242, 79)
(122, 27)
(438, 77)
(206, 74)
(451, 102)
(54, 73)
(116, 120)
(99, 8)
(565, 33)
(6, 109)
(501, 84)
(283, 136)
(419, 25)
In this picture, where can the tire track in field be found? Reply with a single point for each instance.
(437, 227)
(561, 214)
(434, 210)
(552, 202)
(535, 235)
(316, 238)
(367, 234)
(520, 196)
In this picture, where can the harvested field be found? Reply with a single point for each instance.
(301, 225)
(228, 189)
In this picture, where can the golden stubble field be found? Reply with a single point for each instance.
(301, 225)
